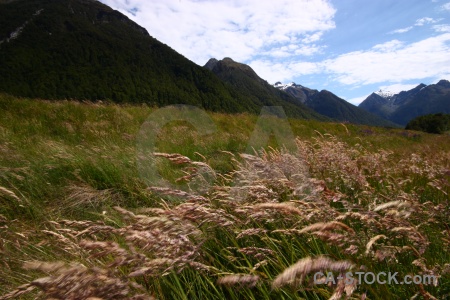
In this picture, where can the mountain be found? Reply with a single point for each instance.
(255, 89)
(383, 103)
(330, 105)
(83, 49)
(402, 107)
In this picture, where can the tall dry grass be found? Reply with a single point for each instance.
(261, 231)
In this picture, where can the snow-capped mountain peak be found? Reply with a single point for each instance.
(283, 86)
(384, 94)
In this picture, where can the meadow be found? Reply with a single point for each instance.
(78, 220)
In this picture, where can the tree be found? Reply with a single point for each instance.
(432, 123)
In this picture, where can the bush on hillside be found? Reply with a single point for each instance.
(432, 123)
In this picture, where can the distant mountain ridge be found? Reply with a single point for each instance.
(330, 105)
(83, 49)
(402, 107)
(255, 89)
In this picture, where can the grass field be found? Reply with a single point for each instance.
(78, 220)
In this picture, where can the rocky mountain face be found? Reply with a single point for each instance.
(302, 93)
(330, 105)
(402, 107)
(255, 89)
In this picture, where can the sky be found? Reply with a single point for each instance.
(349, 47)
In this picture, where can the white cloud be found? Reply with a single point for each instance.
(423, 21)
(402, 30)
(442, 28)
(419, 22)
(312, 37)
(279, 40)
(292, 50)
(446, 6)
(308, 50)
(230, 28)
(392, 62)
(273, 72)
(389, 46)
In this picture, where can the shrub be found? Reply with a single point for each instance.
(432, 123)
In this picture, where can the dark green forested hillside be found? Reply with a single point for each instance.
(85, 50)
(82, 49)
